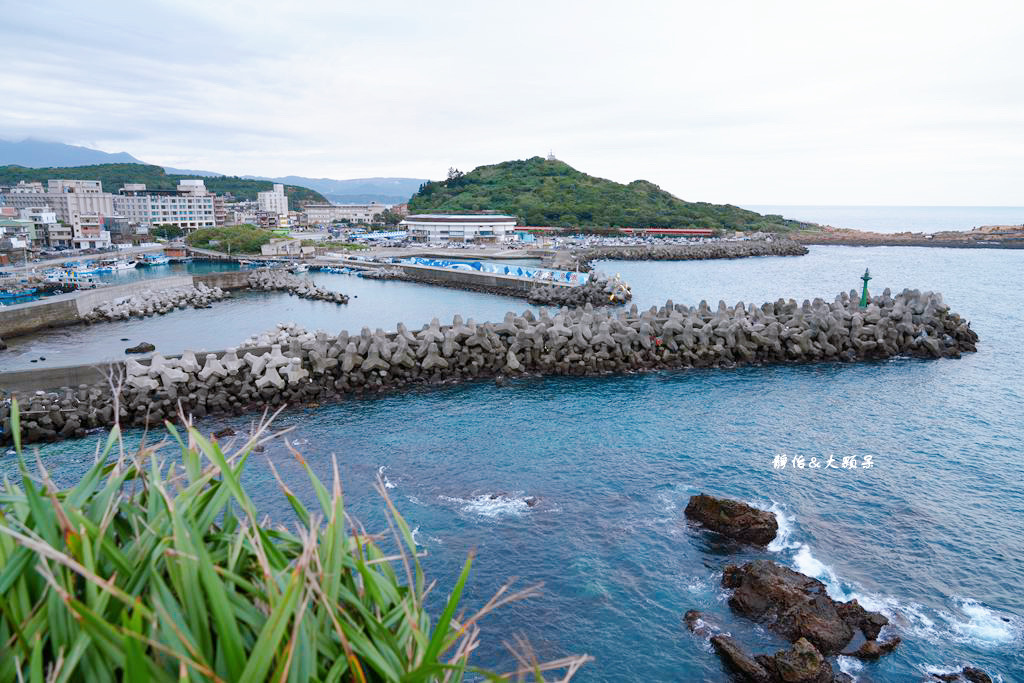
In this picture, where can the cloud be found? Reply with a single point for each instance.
(787, 102)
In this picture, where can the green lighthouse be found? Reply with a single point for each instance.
(864, 295)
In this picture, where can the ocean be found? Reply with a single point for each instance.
(891, 219)
(932, 534)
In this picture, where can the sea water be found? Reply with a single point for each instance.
(931, 534)
(890, 219)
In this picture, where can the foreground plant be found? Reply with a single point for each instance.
(151, 570)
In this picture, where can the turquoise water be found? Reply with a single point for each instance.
(931, 535)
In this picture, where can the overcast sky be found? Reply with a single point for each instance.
(744, 102)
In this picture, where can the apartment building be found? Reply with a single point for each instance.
(189, 207)
(273, 201)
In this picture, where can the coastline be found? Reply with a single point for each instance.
(989, 237)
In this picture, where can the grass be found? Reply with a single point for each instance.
(157, 568)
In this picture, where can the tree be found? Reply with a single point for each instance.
(167, 232)
(389, 217)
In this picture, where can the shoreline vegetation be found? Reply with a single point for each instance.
(548, 192)
(158, 568)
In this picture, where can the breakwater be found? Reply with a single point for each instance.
(155, 302)
(281, 281)
(315, 366)
(597, 290)
(581, 258)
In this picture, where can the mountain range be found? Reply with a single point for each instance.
(41, 154)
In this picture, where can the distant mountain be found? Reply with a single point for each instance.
(358, 190)
(193, 172)
(550, 192)
(38, 154)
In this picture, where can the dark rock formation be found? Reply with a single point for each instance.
(802, 663)
(227, 431)
(733, 519)
(739, 660)
(796, 606)
(141, 347)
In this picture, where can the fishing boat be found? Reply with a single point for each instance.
(11, 295)
(149, 260)
(114, 265)
(300, 268)
(73, 278)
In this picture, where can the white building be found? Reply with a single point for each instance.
(353, 213)
(189, 207)
(273, 201)
(47, 230)
(459, 227)
(84, 206)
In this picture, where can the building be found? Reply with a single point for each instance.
(459, 227)
(282, 247)
(45, 227)
(189, 207)
(273, 201)
(317, 214)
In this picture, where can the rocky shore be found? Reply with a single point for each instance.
(793, 605)
(155, 302)
(281, 281)
(581, 258)
(582, 341)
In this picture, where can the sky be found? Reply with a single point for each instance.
(874, 103)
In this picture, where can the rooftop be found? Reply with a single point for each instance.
(460, 218)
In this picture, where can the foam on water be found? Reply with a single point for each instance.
(384, 477)
(985, 625)
(850, 666)
(784, 534)
(492, 506)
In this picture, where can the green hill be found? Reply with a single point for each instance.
(542, 192)
(113, 176)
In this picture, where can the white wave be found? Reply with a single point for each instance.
(492, 506)
(985, 625)
(414, 500)
(413, 534)
(808, 564)
(784, 534)
(849, 666)
(387, 482)
(967, 621)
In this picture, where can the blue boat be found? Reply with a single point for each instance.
(10, 295)
(154, 260)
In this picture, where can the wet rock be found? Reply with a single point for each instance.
(791, 604)
(739, 660)
(142, 347)
(801, 663)
(872, 649)
(734, 519)
(223, 433)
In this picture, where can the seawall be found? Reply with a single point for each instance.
(70, 309)
(313, 368)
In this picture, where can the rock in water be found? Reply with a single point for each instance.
(976, 675)
(143, 347)
(739, 660)
(227, 431)
(733, 519)
(797, 606)
(801, 663)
